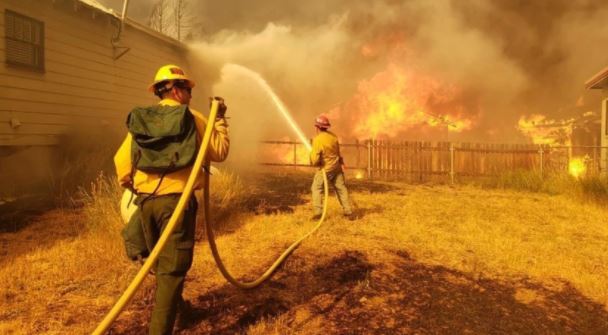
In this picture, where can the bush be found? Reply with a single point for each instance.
(101, 204)
(595, 188)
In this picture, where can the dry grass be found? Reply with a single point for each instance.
(72, 269)
(420, 259)
(592, 188)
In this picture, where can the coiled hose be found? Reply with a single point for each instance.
(177, 213)
(282, 257)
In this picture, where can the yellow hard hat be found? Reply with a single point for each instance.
(170, 72)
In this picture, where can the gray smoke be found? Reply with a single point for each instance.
(508, 58)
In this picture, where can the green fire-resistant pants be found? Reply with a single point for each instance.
(174, 261)
(133, 236)
(335, 179)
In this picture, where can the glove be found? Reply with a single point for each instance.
(221, 108)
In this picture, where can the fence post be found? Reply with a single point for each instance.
(595, 158)
(295, 155)
(358, 153)
(369, 159)
(452, 163)
(541, 152)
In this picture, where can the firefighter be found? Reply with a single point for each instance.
(159, 187)
(325, 154)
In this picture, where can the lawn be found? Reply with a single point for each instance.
(420, 259)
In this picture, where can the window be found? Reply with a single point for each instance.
(24, 41)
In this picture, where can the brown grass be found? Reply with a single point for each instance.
(420, 259)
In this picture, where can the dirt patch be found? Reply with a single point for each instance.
(349, 295)
(228, 310)
(280, 193)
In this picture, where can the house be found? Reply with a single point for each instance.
(600, 81)
(66, 65)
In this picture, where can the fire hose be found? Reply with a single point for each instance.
(177, 214)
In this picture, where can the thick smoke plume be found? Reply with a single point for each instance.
(498, 60)
(507, 60)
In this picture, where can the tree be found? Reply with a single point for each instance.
(173, 18)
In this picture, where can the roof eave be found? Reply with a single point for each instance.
(598, 81)
(136, 25)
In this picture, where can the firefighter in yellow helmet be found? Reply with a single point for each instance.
(155, 161)
(325, 154)
(167, 75)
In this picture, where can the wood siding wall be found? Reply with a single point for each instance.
(82, 84)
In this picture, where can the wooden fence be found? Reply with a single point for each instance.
(425, 161)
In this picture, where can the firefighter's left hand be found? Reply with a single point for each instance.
(221, 108)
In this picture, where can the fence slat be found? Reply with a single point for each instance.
(423, 160)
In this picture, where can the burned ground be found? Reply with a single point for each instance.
(282, 192)
(348, 294)
(420, 259)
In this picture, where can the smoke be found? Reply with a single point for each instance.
(304, 67)
(507, 59)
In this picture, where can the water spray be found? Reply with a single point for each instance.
(277, 101)
(211, 238)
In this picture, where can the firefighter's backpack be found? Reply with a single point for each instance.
(164, 138)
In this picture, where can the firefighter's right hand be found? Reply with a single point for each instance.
(127, 184)
(221, 107)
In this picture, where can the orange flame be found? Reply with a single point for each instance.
(302, 155)
(284, 153)
(545, 131)
(398, 99)
(577, 166)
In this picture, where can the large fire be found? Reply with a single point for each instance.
(400, 99)
(546, 131)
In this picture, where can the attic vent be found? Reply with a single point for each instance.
(24, 41)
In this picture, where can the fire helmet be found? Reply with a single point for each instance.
(170, 72)
(322, 122)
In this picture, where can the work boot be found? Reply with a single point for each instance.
(185, 314)
(316, 217)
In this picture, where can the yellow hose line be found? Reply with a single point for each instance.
(273, 267)
(179, 209)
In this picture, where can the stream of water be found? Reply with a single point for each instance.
(277, 101)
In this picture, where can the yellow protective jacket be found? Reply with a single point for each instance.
(173, 182)
(326, 152)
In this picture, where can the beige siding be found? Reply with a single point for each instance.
(82, 84)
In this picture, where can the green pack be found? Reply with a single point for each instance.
(164, 138)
